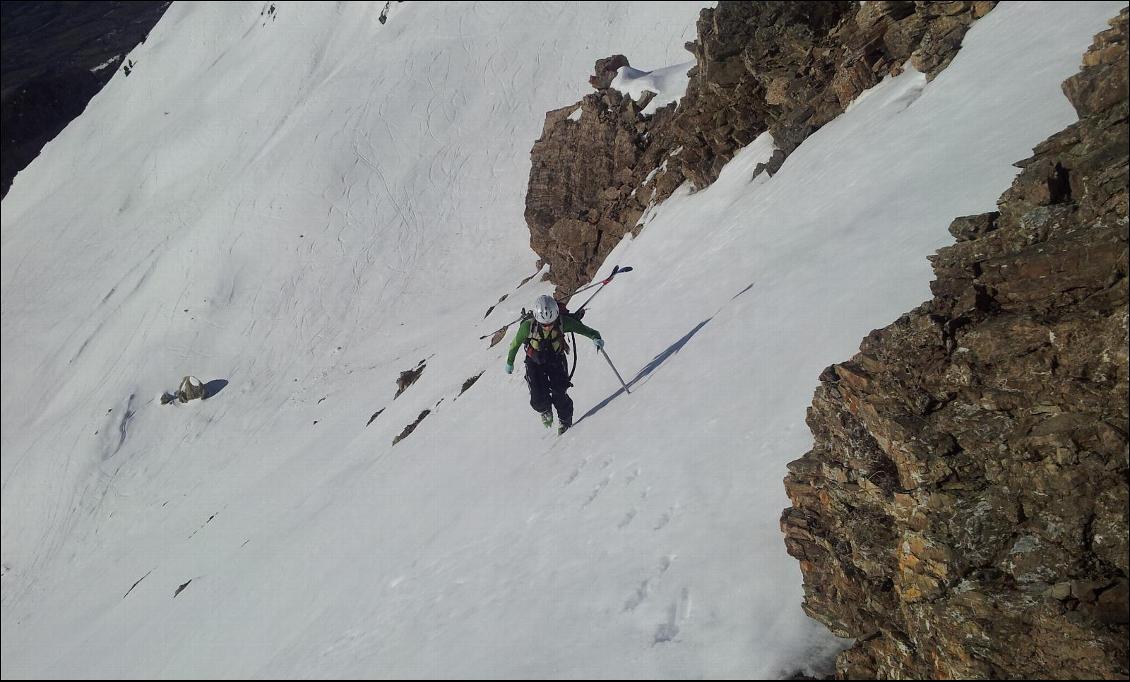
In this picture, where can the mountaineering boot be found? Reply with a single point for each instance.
(547, 418)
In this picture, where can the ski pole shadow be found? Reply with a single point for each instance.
(648, 369)
(743, 291)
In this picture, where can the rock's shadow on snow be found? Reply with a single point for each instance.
(648, 369)
(214, 386)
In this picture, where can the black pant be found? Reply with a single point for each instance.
(548, 384)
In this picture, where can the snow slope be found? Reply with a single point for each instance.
(303, 203)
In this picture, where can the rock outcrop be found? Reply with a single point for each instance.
(408, 377)
(190, 388)
(783, 67)
(963, 512)
(411, 427)
(586, 169)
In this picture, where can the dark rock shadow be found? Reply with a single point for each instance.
(648, 369)
(214, 386)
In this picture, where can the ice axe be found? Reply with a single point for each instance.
(614, 371)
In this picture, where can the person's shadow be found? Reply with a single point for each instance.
(658, 360)
(648, 369)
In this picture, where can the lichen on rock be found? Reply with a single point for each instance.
(995, 543)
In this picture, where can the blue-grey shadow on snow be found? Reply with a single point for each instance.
(743, 291)
(214, 386)
(648, 369)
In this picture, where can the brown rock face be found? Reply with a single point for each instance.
(585, 183)
(407, 378)
(963, 512)
(790, 67)
(785, 67)
(759, 66)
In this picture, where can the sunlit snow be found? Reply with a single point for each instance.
(669, 84)
(296, 206)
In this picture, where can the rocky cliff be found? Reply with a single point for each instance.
(783, 67)
(963, 512)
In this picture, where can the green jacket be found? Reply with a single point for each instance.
(568, 324)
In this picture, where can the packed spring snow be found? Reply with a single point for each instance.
(296, 206)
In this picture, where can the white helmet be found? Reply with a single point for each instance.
(545, 309)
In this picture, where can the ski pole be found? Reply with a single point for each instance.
(614, 371)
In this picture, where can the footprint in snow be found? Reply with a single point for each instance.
(596, 491)
(667, 516)
(627, 519)
(633, 476)
(647, 585)
(677, 613)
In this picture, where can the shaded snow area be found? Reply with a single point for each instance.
(300, 207)
(669, 84)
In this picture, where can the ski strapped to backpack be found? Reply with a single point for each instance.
(615, 271)
(575, 314)
(579, 312)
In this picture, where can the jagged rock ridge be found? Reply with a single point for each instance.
(963, 512)
(783, 67)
